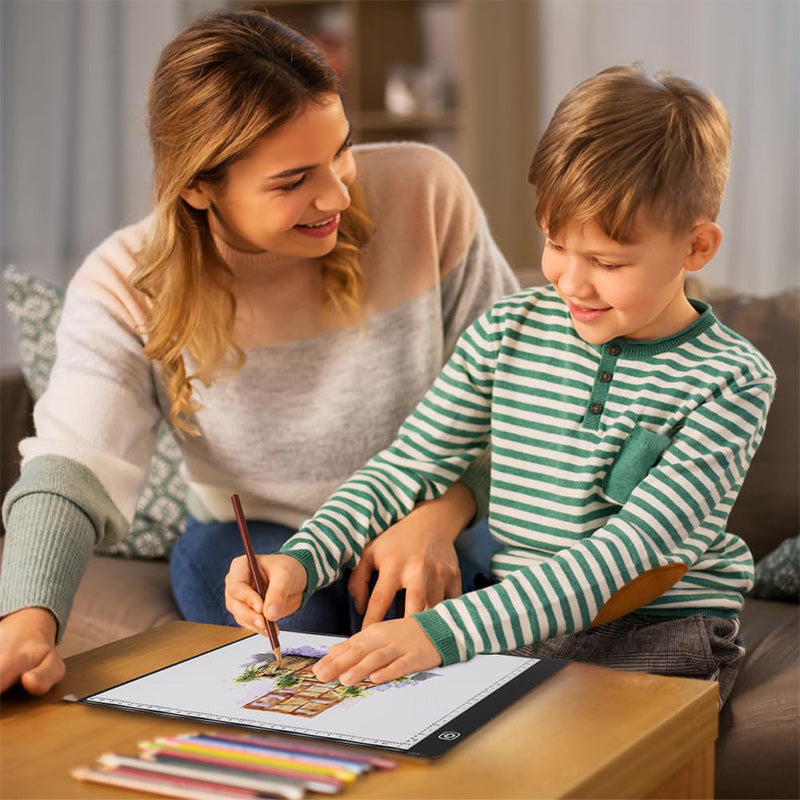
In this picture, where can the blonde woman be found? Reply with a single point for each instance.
(285, 306)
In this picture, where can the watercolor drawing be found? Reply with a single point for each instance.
(295, 690)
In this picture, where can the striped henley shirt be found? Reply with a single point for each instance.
(607, 461)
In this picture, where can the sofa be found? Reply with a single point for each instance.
(758, 751)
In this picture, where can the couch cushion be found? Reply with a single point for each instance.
(758, 751)
(35, 309)
(767, 510)
(117, 598)
(778, 573)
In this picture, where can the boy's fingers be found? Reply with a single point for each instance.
(371, 662)
(394, 668)
(338, 661)
(239, 570)
(45, 675)
(242, 613)
(242, 594)
(281, 598)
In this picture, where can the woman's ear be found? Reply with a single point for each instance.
(706, 239)
(197, 195)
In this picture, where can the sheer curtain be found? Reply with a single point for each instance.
(75, 158)
(746, 51)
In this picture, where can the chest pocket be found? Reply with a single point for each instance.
(637, 456)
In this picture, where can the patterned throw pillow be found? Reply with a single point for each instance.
(778, 573)
(35, 309)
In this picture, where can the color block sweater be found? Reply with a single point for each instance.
(607, 461)
(309, 407)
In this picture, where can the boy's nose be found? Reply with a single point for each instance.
(575, 281)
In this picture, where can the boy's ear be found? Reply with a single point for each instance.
(197, 195)
(706, 239)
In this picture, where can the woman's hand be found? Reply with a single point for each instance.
(28, 651)
(285, 579)
(382, 652)
(415, 554)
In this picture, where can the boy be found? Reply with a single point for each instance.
(623, 418)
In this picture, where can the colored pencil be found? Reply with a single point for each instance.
(317, 783)
(356, 767)
(164, 787)
(311, 748)
(294, 790)
(167, 743)
(272, 628)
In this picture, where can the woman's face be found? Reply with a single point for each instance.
(285, 196)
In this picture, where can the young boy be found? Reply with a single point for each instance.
(622, 418)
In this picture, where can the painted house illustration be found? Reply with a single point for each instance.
(297, 690)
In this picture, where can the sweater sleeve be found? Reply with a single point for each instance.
(83, 471)
(448, 430)
(671, 517)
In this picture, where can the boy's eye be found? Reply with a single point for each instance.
(557, 247)
(290, 186)
(607, 267)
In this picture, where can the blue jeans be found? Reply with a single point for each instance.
(202, 556)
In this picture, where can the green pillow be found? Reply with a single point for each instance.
(778, 573)
(35, 309)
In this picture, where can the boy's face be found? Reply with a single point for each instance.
(620, 290)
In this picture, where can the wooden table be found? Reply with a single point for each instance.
(585, 732)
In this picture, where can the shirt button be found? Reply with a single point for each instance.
(596, 408)
(605, 377)
(614, 350)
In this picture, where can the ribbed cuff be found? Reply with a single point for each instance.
(49, 541)
(307, 560)
(442, 637)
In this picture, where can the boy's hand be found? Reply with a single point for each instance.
(28, 651)
(382, 652)
(285, 579)
(415, 554)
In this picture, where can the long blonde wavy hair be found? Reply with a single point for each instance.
(219, 86)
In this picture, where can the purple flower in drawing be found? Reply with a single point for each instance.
(307, 651)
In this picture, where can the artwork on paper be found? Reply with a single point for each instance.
(242, 684)
(295, 690)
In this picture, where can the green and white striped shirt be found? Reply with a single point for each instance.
(607, 461)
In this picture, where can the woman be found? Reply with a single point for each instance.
(284, 307)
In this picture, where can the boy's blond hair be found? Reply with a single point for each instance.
(626, 141)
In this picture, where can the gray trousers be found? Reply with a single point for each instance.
(708, 648)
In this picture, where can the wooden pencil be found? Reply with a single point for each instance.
(294, 790)
(162, 786)
(272, 629)
(322, 784)
(312, 748)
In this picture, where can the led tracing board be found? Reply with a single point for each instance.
(241, 684)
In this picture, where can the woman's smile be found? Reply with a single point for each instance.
(321, 229)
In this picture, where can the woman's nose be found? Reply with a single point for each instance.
(334, 194)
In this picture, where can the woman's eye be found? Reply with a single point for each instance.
(348, 143)
(289, 187)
